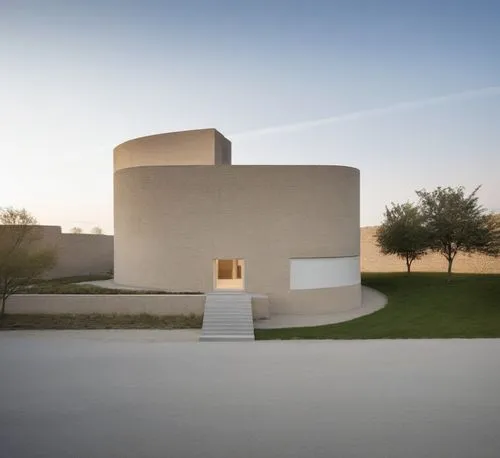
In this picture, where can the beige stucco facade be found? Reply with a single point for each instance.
(180, 205)
(193, 147)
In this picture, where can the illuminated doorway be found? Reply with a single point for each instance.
(229, 274)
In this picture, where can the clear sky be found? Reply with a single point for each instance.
(407, 91)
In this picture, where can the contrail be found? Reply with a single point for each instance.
(404, 106)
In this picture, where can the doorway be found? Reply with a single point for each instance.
(229, 274)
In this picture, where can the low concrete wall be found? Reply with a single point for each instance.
(154, 304)
(260, 306)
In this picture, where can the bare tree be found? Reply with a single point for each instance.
(16, 217)
(76, 230)
(96, 230)
(15, 224)
(21, 258)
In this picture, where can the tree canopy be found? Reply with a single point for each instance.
(403, 233)
(456, 222)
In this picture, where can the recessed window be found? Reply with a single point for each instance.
(229, 274)
(317, 273)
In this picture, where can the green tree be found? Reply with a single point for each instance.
(76, 230)
(456, 222)
(22, 259)
(402, 233)
(96, 230)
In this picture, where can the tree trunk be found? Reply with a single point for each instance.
(408, 265)
(450, 263)
(2, 312)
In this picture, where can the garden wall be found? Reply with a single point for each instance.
(125, 304)
(372, 260)
(83, 254)
(77, 254)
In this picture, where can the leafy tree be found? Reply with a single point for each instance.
(96, 230)
(457, 222)
(76, 230)
(21, 260)
(402, 233)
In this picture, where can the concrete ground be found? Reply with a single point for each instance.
(373, 300)
(68, 395)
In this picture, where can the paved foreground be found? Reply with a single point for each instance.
(64, 395)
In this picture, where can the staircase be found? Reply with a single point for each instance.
(227, 318)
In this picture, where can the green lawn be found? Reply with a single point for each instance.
(72, 285)
(69, 280)
(422, 305)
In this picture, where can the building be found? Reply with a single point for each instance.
(188, 220)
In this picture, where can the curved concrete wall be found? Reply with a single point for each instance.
(193, 147)
(172, 222)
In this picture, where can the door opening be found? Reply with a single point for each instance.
(229, 274)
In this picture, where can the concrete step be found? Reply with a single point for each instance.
(233, 308)
(227, 326)
(223, 332)
(227, 317)
(225, 304)
(226, 338)
(217, 321)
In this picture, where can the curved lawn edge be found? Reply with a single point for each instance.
(372, 301)
(423, 305)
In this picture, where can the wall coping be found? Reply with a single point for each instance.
(107, 295)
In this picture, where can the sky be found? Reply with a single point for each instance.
(406, 91)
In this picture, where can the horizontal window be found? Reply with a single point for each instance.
(315, 273)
